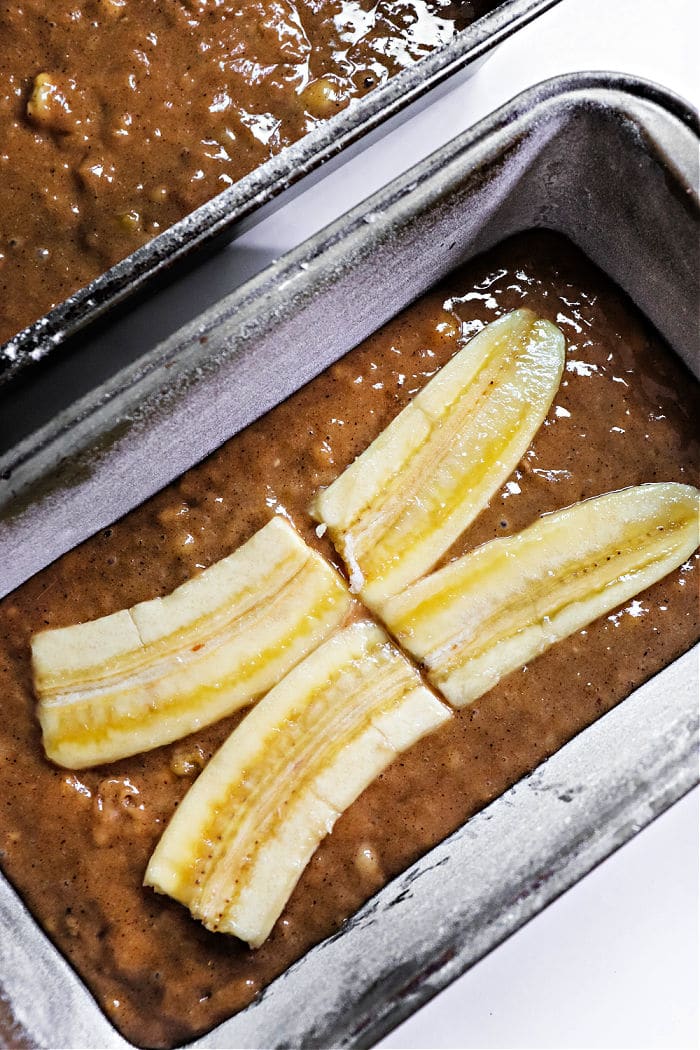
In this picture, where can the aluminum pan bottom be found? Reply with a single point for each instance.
(542, 160)
(264, 189)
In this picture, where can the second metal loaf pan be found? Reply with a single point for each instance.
(264, 189)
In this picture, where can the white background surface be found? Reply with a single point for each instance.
(614, 962)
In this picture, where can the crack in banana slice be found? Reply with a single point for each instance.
(240, 839)
(397, 509)
(498, 607)
(151, 674)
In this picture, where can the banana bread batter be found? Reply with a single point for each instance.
(120, 117)
(76, 845)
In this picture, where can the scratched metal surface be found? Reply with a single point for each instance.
(270, 186)
(544, 159)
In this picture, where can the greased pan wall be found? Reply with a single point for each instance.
(544, 159)
(266, 188)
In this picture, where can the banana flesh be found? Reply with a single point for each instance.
(243, 834)
(495, 609)
(149, 675)
(396, 510)
(341, 702)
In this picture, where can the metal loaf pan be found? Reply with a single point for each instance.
(611, 162)
(268, 187)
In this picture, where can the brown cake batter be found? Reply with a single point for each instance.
(76, 845)
(119, 117)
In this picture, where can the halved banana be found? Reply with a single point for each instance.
(148, 675)
(243, 834)
(396, 510)
(499, 606)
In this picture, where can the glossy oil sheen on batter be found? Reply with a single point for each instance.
(119, 117)
(76, 846)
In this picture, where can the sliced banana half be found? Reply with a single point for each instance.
(151, 674)
(398, 508)
(495, 609)
(245, 831)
